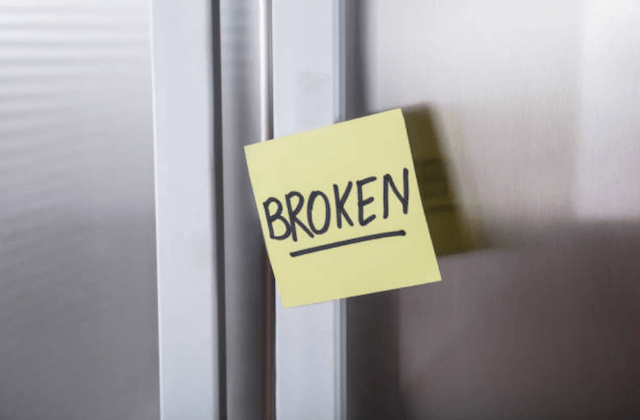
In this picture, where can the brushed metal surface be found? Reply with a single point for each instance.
(535, 105)
(77, 256)
(245, 120)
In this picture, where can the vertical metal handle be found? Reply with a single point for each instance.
(266, 133)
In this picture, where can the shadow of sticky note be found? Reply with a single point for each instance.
(449, 232)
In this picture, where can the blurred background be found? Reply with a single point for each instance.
(531, 110)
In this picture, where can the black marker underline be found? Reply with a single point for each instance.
(348, 242)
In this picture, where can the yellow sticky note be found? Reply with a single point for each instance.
(340, 210)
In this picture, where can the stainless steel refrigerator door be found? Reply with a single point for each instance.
(77, 257)
(536, 106)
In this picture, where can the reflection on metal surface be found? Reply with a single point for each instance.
(246, 113)
(266, 122)
(536, 114)
(77, 255)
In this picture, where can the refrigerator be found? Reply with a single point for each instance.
(531, 114)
